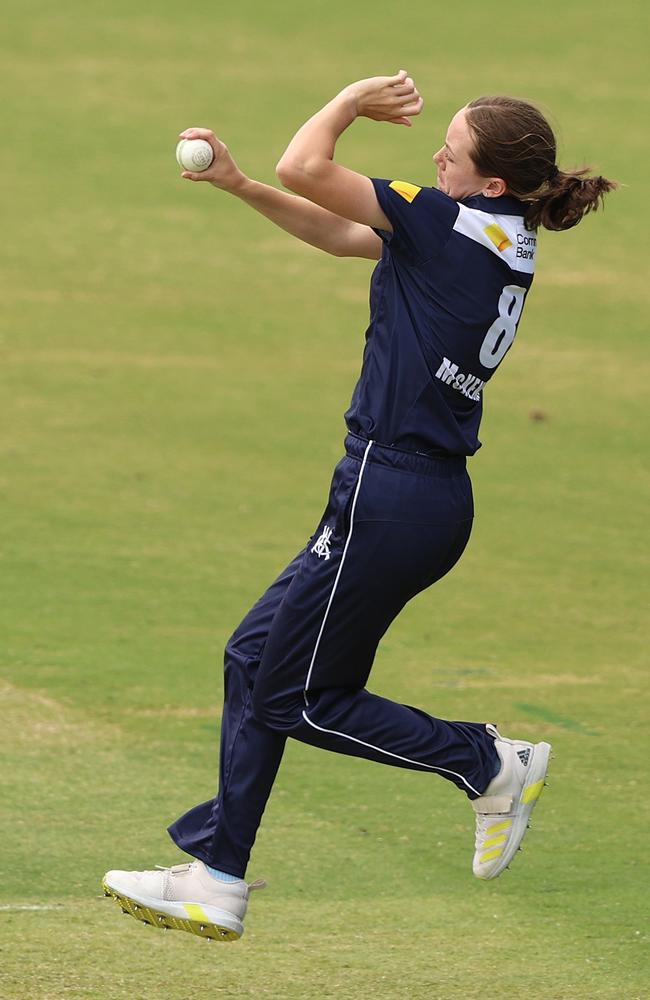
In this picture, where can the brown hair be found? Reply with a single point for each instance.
(514, 141)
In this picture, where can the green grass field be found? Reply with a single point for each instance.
(174, 373)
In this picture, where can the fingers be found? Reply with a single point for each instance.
(217, 148)
(410, 102)
(190, 176)
(388, 98)
(413, 107)
(410, 109)
(195, 133)
(405, 87)
(201, 133)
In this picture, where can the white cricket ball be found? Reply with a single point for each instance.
(194, 154)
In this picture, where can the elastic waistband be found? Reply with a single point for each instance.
(410, 461)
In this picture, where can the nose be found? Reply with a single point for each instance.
(438, 157)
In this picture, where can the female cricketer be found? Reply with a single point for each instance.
(455, 264)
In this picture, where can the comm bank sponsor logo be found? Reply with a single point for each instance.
(470, 385)
(526, 241)
(498, 236)
(505, 236)
(526, 244)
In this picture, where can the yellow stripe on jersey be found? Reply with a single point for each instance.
(496, 235)
(406, 190)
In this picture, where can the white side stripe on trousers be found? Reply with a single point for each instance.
(336, 580)
(332, 732)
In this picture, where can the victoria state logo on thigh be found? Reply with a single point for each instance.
(322, 544)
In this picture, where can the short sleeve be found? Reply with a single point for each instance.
(422, 218)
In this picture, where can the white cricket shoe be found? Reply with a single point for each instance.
(504, 808)
(184, 898)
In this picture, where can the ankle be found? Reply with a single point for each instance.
(222, 876)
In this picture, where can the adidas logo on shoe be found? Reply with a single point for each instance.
(504, 808)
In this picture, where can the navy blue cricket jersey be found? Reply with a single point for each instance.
(445, 300)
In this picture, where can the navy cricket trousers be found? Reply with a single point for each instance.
(299, 662)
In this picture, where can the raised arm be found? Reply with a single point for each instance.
(307, 166)
(298, 216)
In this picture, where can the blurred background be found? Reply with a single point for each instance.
(175, 371)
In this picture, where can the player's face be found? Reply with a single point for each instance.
(457, 174)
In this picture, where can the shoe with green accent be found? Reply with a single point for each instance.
(183, 898)
(504, 808)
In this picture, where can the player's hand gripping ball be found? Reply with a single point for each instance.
(194, 154)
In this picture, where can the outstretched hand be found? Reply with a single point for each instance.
(223, 172)
(387, 98)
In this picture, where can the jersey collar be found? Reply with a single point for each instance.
(506, 204)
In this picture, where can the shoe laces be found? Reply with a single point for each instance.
(482, 821)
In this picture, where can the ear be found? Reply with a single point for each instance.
(494, 187)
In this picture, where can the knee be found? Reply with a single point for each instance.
(280, 712)
(238, 647)
(241, 658)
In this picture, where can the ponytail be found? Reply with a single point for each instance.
(566, 198)
(514, 141)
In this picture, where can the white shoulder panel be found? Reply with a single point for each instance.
(504, 235)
